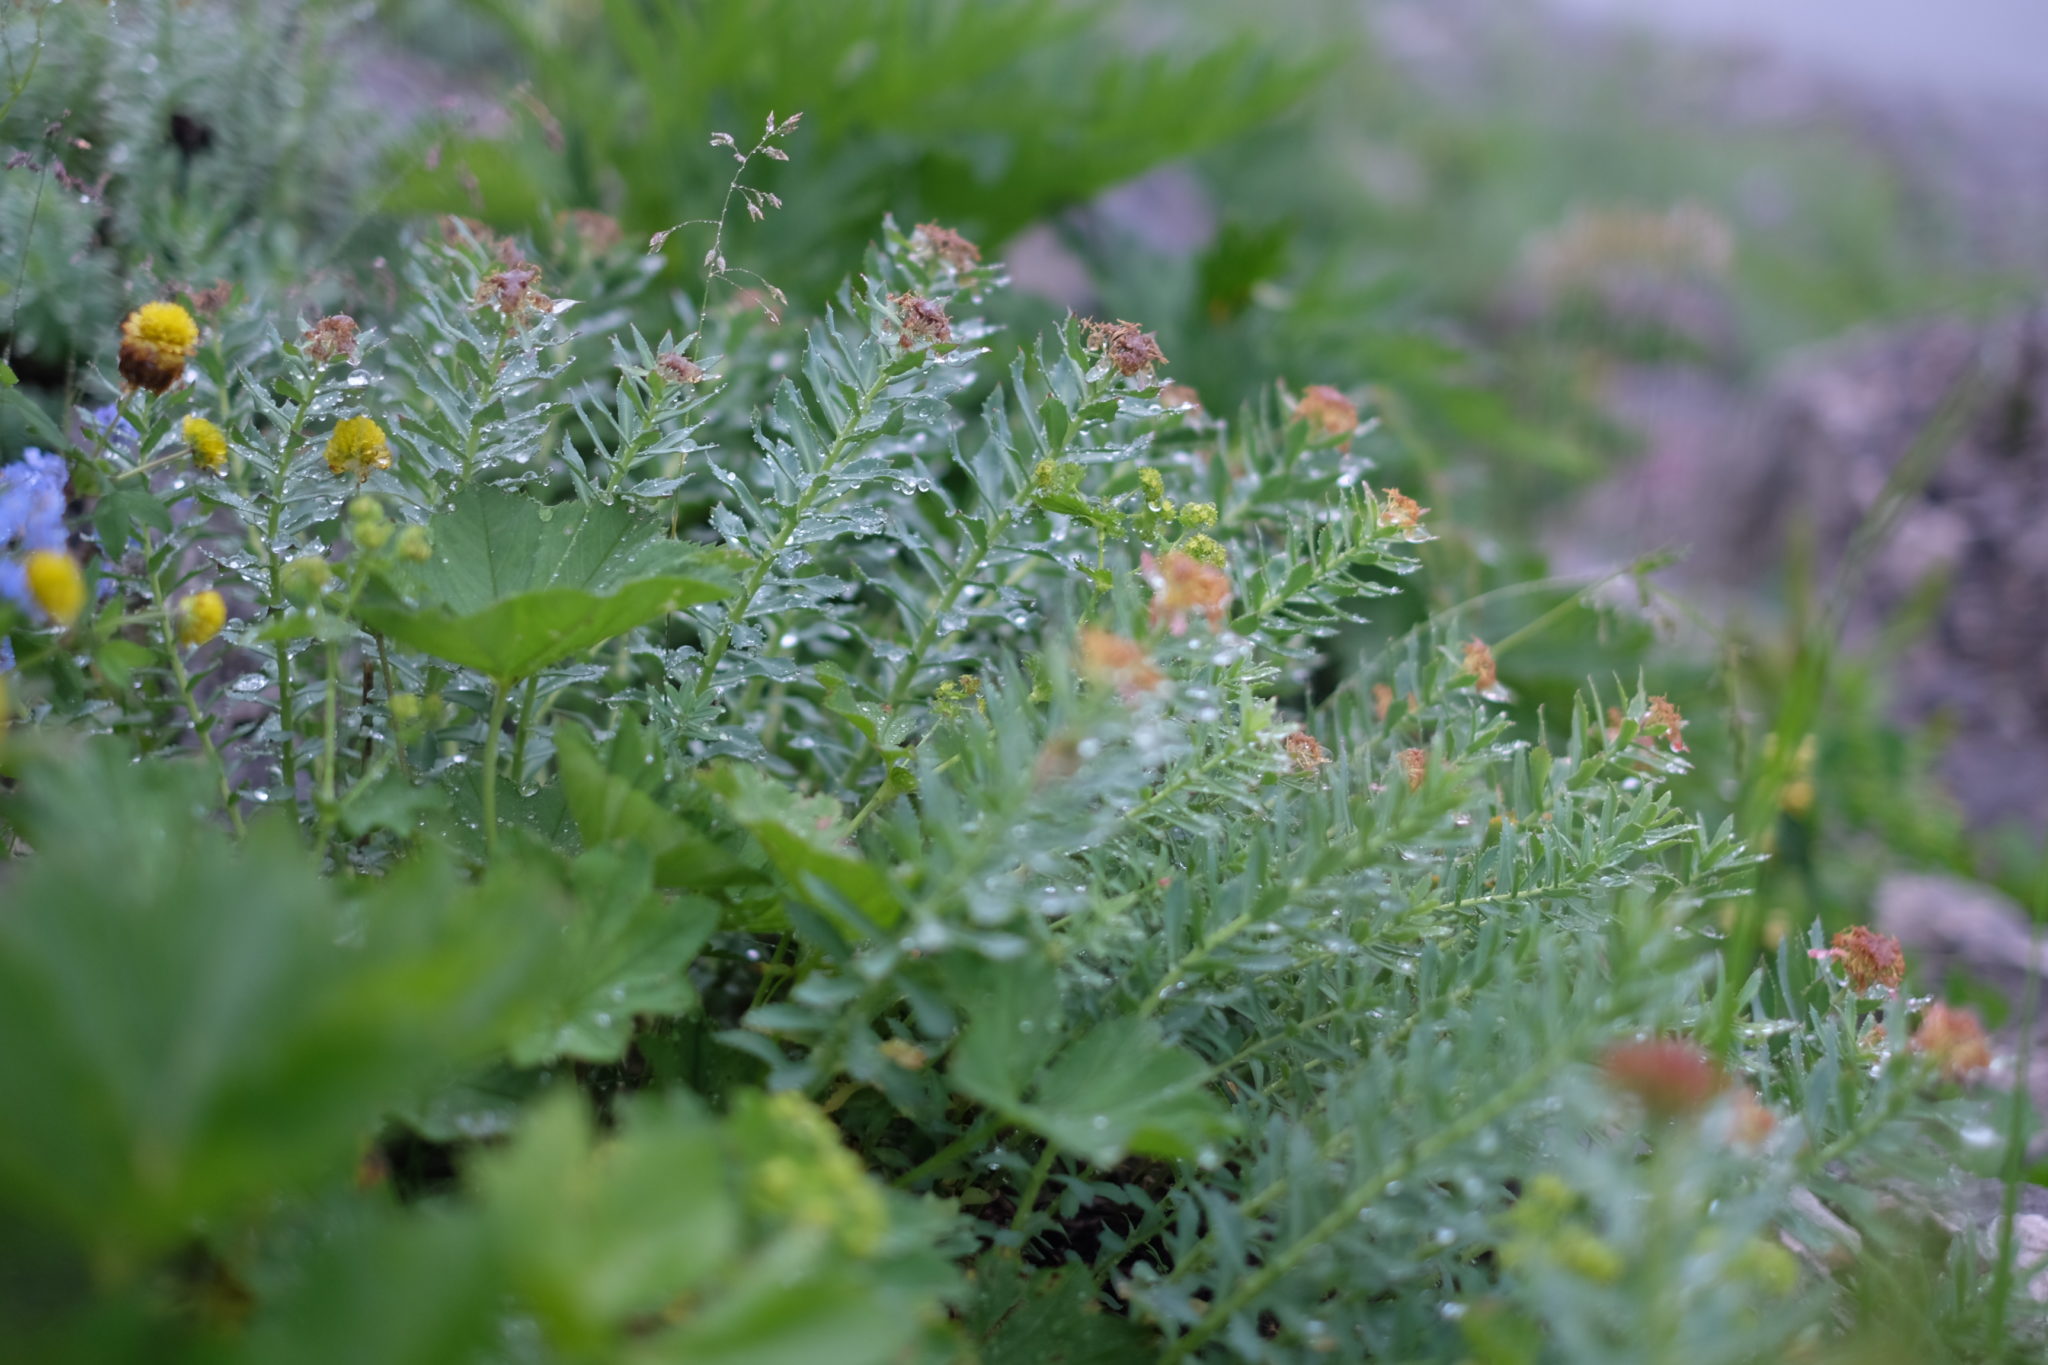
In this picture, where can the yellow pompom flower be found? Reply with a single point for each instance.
(209, 444)
(358, 446)
(57, 584)
(200, 616)
(156, 341)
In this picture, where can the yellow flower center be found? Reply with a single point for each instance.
(358, 446)
(166, 326)
(209, 444)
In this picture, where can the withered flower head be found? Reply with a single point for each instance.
(1663, 717)
(330, 339)
(210, 300)
(1868, 958)
(1479, 663)
(1127, 346)
(1111, 660)
(1750, 1121)
(1180, 397)
(1326, 411)
(679, 367)
(1415, 763)
(1182, 584)
(1305, 752)
(156, 341)
(1954, 1039)
(1400, 510)
(511, 290)
(922, 319)
(942, 243)
(1382, 702)
(1670, 1077)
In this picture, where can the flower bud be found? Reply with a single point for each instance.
(415, 544)
(199, 617)
(304, 579)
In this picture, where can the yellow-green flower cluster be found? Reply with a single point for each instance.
(208, 442)
(812, 1177)
(358, 446)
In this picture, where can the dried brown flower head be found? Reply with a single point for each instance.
(209, 301)
(1479, 663)
(457, 230)
(156, 341)
(679, 367)
(1131, 349)
(1182, 584)
(1662, 717)
(1867, 957)
(1954, 1039)
(1382, 702)
(1305, 752)
(332, 338)
(1414, 763)
(512, 290)
(933, 242)
(922, 319)
(1670, 1077)
(1327, 411)
(1180, 398)
(1112, 660)
(1399, 510)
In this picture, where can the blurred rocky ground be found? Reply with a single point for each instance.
(1914, 458)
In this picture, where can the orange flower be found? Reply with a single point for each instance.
(1382, 702)
(1181, 584)
(1663, 716)
(1750, 1122)
(1479, 663)
(1399, 510)
(1954, 1039)
(1868, 958)
(1327, 411)
(1111, 660)
(1415, 763)
(1671, 1077)
(1306, 752)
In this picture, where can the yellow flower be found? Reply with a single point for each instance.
(156, 341)
(57, 584)
(357, 447)
(209, 444)
(200, 616)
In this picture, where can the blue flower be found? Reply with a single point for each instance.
(31, 517)
(107, 428)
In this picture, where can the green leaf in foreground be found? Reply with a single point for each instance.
(514, 586)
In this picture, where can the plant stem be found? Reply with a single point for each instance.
(519, 734)
(983, 1129)
(501, 698)
(201, 722)
(1039, 1173)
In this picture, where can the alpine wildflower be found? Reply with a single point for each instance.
(156, 341)
(1182, 584)
(1479, 663)
(1662, 717)
(1399, 510)
(1670, 1077)
(1305, 752)
(1954, 1040)
(1131, 349)
(1327, 412)
(330, 339)
(56, 583)
(208, 442)
(932, 242)
(199, 617)
(680, 368)
(922, 319)
(1415, 765)
(1112, 660)
(1867, 958)
(357, 447)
